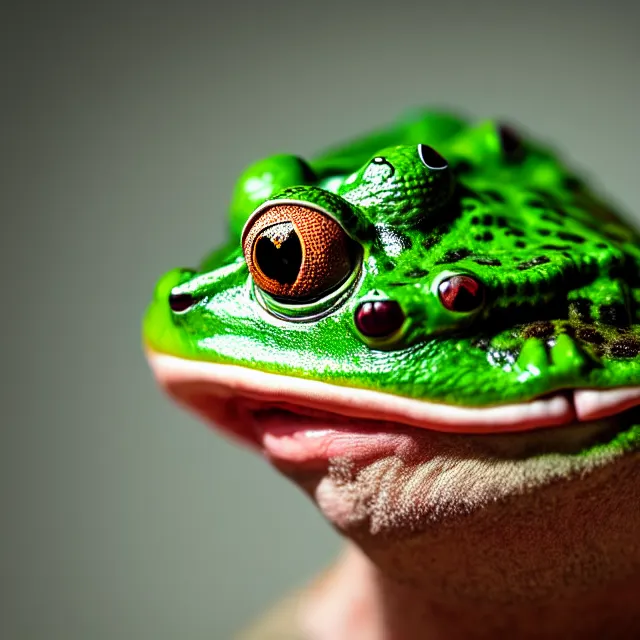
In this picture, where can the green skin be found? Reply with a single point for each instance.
(560, 269)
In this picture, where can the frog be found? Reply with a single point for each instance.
(440, 298)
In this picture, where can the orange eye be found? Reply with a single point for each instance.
(293, 251)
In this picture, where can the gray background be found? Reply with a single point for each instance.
(125, 126)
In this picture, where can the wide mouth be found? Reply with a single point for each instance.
(234, 397)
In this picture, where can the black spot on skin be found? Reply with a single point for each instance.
(614, 314)
(388, 266)
(398, 284)
(536, 204)
(533, 263)
(544, 232)
(542, 193)
(487, 236)
(487, 220)
(590, 335)
(477, 238)
(550, 218)
(494, 195)
(454, 255)
(538, 330)
(514, 232)
(475, 220)
(502, 221)
(561, 212)
(520, 244)
(431, 242)
(554, 247)
(570, 237)
(580, 310)
(627, 347)
(467, 207)
(416, 273)
(489, 262)
(602, 245)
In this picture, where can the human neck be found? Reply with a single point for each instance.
(359, 601)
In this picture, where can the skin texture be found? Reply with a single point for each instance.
(559, 271)
(435, 332)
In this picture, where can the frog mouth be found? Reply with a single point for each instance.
(233, 397)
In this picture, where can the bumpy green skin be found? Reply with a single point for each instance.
(562, 273)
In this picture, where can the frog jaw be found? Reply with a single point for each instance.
(227, 394)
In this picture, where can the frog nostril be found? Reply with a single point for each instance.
(379, 319)
(179, 302)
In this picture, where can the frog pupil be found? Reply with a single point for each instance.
(278, 253)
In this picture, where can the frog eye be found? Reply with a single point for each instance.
(296, 252)
(431, 158)
(461, 293)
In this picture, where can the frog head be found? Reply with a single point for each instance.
(407, 315)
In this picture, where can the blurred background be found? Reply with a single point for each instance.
(124, 128)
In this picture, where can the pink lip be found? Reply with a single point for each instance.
(302, 420)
